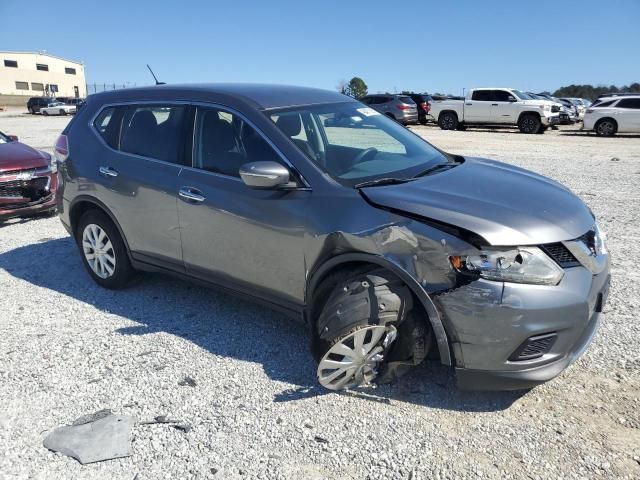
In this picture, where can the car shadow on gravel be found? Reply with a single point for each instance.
(228, 327)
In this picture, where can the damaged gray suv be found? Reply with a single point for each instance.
(389, 249)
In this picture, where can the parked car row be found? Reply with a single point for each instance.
(531, 112)
(53, 106)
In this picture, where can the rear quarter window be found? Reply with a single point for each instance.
(107, 124)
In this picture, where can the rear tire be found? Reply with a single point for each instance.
(62, 112)
(391, 116)
(31, 111)
(103, 250)
(365, 330)
(44, 113)
(606, 127)
(448, 121)
(529, 123)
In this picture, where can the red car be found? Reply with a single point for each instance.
(28, 179)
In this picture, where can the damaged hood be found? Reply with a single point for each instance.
(505, 205)
(18, 156)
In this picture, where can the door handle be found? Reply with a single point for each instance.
(191, 195)
(107, 172)
(469, 103)
(494, 104)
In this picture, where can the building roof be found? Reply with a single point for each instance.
(42, 54)
(261, 95)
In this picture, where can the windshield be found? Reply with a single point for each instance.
(56, 104)
(3, 138)
(521, 95)
(354, 143)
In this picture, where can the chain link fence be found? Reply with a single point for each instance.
(104, 87)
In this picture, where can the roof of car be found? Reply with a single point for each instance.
(263, 96)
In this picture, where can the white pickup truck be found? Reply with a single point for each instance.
(496, 106)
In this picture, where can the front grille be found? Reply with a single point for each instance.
(534, 347)
(33, 189)
(555, 108)
(561, 255)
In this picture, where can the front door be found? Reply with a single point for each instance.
(504, 107)
(246, 239)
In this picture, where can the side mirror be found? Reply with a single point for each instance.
(512, 98)
(13, 138)
(265, 175)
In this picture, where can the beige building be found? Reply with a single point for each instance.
(32, 74)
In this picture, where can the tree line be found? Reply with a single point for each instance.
(357, 88)
(591, 92)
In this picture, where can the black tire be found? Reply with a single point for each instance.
(448, 121)
(529, 123)
(32, 111)
(542, 129)
(62, 112)
(370, 297)
(44, 113)
(606, 127)
(391, 116)
(123, 272)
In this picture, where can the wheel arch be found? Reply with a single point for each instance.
(84, 203)
(600, 120)
(448, 111)
(528, 112)
(343, 260)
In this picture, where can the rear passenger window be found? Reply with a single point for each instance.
(154, 132)
(107, 123)
(633, 103)
(223, 142)
(481, 95)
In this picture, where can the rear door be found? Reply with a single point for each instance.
(628, 115)
(478, 108)
(138, 176)
(249, 240)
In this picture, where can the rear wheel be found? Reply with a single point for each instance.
(448, 121)
(529, 123)
(366, 331)
(606, 127)
(44, 112)
(391, 116)
(32, 111)
(62, 112)
(103, 251)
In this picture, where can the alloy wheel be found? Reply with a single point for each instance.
(356, 358)
(98, 251)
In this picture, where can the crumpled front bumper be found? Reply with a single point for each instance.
(490, 321)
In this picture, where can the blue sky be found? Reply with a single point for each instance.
(416, 45)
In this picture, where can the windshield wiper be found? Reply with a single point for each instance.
(437, 168)
(382, 181)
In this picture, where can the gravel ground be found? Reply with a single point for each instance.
(69, 348)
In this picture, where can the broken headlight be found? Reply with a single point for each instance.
(519, 265)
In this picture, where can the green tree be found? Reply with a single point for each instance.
(591, 92)
(356, 88)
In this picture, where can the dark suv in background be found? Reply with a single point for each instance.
(423, 101)
(34, 104)
(401, 108)
(323, 208)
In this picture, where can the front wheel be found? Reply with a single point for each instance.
(448, 121)
(606, 128)
(103, 251)
(44, 112)
(366, 331)
(529, 123)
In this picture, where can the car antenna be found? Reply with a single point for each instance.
(154, 76)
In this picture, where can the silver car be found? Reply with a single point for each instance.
(315, 204)
(401, 108)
